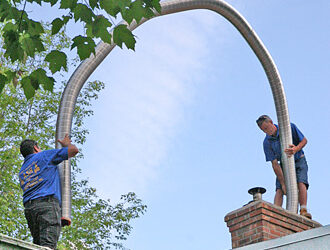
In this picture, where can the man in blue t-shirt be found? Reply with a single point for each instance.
(40, 182)
(272, 149)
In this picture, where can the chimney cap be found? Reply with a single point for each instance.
(256, 190)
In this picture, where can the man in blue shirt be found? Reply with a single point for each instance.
(40, 182)
(272, 149)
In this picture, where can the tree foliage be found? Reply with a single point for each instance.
(23, 38)
(97, 224)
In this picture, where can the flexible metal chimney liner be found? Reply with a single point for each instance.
(86, 68)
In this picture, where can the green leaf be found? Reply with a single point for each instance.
(31, 44)
(82, 12)
(100, 28)
(112, 7)
(93, 3)
(34, 83)
(127, 15)
(35, 28)
(49, 83)
(68, 4)
(137, 10)
(38, 45)
(10, 26)
(35, 1)
(27, 45)
(2, 85)
(150, 5)
(10, 74)
(24, 26)
(57, 60)
(4, 6)
(57, 24)
(12, 13)
(149, 13)
(156, 5)
(89, 30)
(122, 35)
(85, 46)
(66, 19)
(13, 48)
(29, 90)
(3, 81)
(123, 3)
(52, 2)
(40, 76)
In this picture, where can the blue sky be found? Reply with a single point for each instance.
(176, 122)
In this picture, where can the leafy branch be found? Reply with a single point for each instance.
(23, 38)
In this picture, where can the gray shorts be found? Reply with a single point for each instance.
(301, 173)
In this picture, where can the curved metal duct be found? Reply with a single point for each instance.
(86, 68)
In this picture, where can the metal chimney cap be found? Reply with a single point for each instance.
(256, 190)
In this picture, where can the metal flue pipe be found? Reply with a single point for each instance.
(86, 68)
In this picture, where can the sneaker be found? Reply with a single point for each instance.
(304, 212)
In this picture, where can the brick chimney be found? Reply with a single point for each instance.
(260, 221)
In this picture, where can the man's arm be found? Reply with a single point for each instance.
(66, 142)
(292, 149)
(279, 173)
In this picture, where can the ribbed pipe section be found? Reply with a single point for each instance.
(87, 67)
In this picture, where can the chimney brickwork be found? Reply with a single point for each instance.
(260, 221)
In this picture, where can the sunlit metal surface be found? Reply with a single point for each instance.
(86, 68)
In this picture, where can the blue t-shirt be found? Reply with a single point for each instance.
(272, 145)
(39, 175)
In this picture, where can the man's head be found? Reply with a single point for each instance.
(28, 147)
(266, 124)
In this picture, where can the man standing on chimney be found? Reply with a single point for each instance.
(272, 149)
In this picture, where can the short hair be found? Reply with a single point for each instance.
(263, 118)
(27, 147)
